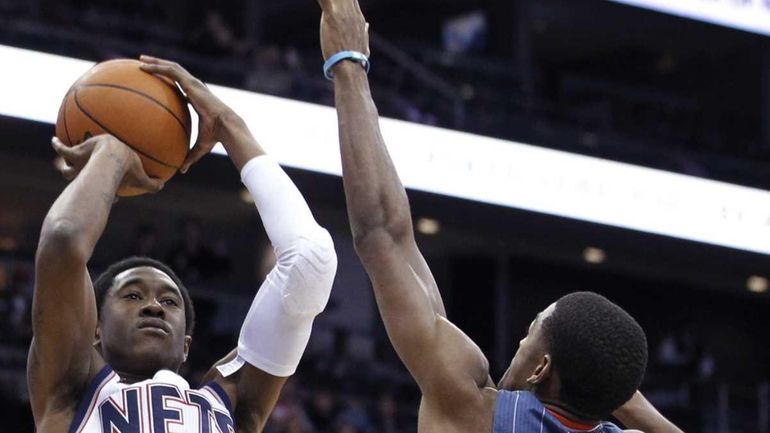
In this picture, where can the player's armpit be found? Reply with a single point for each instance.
(252, 392)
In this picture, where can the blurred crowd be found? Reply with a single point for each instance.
(698, 374)
(592, 106)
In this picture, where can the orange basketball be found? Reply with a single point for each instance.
(145, 111)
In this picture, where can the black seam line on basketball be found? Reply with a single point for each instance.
(84, 111)
(128, 89)
(64, 117)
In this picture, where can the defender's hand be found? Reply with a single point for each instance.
(211, 110)
(77, 157)
(343, 27)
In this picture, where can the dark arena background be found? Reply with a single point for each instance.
(506, 227)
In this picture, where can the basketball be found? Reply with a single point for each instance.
(145, 111)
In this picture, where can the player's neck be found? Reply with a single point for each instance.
(131, 377)
(563, 411)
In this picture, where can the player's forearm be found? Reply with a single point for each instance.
(278, 324)
(375, 197)
(638, 413)
(237, 139)
(284, 212)
(77, 218)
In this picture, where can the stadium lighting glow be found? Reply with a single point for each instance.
(440, 161)
(428, 226)
(757, 284)
(595, 256)
(749, 15)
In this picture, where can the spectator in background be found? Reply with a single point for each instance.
(322, 409)
(288, 415)
(386, 414)
(15, 302)
(220, 31)
(20, 304)
(346, 427)
(5, 301)
(192, 258)
(354, 417)
(268, 73)
(145, 241)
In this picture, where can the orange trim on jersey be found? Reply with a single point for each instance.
(570, 424)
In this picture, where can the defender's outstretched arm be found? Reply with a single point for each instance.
(442, 359)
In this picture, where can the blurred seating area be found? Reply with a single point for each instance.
(354, 383)
(632, 104)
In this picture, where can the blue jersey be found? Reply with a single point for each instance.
(522, 412)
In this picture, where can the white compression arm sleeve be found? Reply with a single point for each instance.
(277, 327)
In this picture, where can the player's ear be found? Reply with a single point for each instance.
(542, 371)
(98, 337)
(187, 343)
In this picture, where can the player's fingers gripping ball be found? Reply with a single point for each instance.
(145, 111)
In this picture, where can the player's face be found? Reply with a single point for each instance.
(142, 325)
(532, 349)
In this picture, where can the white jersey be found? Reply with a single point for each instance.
(163, 404)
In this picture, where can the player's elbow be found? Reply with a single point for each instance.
(61, 239)
(311, 264)
(372, 241)
(313, 245)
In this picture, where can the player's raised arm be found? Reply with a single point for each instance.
(439, 356)
(277, 328)
(62, 358)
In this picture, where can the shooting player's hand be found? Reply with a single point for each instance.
(211, 110)
(76, 157)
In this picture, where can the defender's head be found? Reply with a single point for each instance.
(146, 317)
(582, 353)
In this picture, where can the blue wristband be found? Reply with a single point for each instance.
(353, 56)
